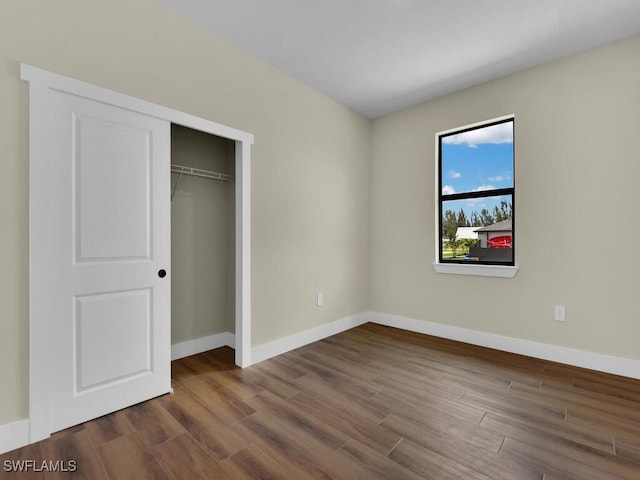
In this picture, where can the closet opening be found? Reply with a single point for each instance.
(203, 244)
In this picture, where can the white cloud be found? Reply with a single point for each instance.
(454, 174)
(500, 133)
(500, 178)
(483, 188)
(448, 190)
(479, 203)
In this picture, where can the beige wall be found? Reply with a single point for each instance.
(310, 182)
(577, 198)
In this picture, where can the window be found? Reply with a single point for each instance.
(475, 198)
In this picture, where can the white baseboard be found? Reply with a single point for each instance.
(14, 435)
(203, 344)
(569, 356)
(283, 345)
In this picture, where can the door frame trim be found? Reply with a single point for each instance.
(40, 83)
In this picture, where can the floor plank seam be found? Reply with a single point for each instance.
(394, 447)
(100, 462)
(482, 418)
(504, 438)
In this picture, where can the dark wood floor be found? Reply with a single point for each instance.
(370, 403)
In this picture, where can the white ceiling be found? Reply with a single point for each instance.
(379, 56)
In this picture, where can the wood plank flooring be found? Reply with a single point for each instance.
(371, 403)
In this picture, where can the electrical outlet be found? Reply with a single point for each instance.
(559, 313)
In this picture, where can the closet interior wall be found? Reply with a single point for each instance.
(202, 237)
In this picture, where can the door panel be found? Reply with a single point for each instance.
(112, 163)
(110, 311)
(113, 338)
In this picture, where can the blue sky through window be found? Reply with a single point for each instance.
(477, 160)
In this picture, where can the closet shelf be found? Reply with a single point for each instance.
(196, 172)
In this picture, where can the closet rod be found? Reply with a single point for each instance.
(197, 172)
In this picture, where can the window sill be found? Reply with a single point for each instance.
(478, 270)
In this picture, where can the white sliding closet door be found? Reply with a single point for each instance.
(99, 253)
(104, 270)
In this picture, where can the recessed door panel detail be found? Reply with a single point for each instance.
(112, 190)
(112, 338)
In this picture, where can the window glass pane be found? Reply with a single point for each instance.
(478, 229)
(477, 160)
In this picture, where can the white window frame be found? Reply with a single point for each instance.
(503, 271)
